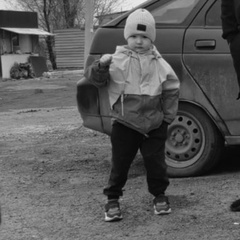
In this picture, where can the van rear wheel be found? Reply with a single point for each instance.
(194, 144)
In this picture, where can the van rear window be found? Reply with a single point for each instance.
(174, 11)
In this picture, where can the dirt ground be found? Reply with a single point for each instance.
(53, 170)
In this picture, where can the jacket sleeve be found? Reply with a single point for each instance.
(229, 21)
(170, 96)
(99, 77)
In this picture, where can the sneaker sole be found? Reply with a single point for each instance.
(162, 212)
(112, 219)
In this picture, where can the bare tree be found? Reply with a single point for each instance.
(60, 14)
(70, 11)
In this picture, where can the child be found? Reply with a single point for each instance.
(143, 93)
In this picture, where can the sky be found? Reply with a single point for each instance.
(126, 5)
(3, 5)
(7, 5)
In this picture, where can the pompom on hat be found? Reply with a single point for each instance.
(140, 22)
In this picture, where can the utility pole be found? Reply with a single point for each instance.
(88, 26)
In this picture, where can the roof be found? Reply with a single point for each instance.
(18, 19)
(28, 31)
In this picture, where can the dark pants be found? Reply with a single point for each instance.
(235, 52)
(125, 144)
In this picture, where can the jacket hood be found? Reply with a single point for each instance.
(126, 50)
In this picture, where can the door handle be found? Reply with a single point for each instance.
(205, 44)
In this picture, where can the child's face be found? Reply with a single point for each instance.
(139, 43)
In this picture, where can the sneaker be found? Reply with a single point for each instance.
(161, 205)
(235, 206)
(112, 211)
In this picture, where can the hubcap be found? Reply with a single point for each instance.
(185, 140)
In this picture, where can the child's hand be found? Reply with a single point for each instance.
(105, 60)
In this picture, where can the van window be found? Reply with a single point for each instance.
(174, 11)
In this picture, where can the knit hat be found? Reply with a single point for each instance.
(140, 22)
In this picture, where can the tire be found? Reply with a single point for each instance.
(194, 144)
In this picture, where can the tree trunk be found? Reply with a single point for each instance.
(49, 39)
(52, 58)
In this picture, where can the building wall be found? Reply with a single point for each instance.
(8, 60)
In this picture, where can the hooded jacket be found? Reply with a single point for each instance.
(143, 88)
(230, 15)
